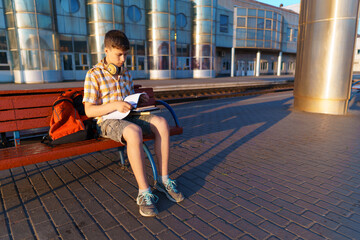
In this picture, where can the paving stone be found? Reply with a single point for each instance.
(38, 215)
(201, 227)
(176, 225)
(60, 217)
(45, 230)
(128, 221)
(328, 233)
(303, 232)
(348, 232)
(301, 220)
(70, 231)
(142, 233)
(248, 215)
(118, 233)
(82, 218)
(193, 235)
(202, 213)
(252, 229)
(105, 220)
(276, 230)
(224, 214)
(273, 217)
(93, 231)
(21, 230)
(3, 226)
(226, 228)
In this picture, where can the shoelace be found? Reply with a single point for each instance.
(149, 198)
(171, 186)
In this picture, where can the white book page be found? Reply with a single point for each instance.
(132, 99)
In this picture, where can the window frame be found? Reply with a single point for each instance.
(224, 27)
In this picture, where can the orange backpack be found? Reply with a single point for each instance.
(68, 121)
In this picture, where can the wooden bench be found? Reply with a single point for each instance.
(31, 109)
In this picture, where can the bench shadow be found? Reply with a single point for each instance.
(192, 179)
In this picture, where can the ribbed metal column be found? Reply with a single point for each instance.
(325, 55)
(33, 41)
(103, 16)
(204, 32)
(161, 38)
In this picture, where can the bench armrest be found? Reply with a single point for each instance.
(170, 110)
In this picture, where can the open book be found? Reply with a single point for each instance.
(133, 99)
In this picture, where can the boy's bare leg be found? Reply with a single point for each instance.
(134, 140)
(160, 128)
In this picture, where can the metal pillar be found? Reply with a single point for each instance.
(325, 55)
(232, 61)
(279, 64)
(257, 70)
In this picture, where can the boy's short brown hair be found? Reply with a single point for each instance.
(116, 39)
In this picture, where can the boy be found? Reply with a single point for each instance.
(105, 87)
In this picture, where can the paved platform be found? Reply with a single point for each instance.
(250, 167)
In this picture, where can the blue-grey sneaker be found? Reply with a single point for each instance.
(169, 188)
(146, 202)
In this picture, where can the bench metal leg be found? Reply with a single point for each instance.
(121, 153)
(149, 156)
(152, 162)
(16, 138)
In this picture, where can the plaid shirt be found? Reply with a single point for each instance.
(101, 87)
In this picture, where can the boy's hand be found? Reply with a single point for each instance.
(144, 98)
(123, 106)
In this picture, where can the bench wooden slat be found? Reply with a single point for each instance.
(32, 113)
(6, 103)
(7, 115)
(8, 126)
(32, 123)
(34, 101)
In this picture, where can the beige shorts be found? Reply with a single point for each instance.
(113, 128)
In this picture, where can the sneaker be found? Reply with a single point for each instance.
(146, 202)
(169, 188)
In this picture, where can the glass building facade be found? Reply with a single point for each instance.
(257, 28)
(59, 40)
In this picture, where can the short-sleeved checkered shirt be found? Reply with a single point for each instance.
(101, 87)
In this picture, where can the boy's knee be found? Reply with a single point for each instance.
(132, 133)
(159, 121)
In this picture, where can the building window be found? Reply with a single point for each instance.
(4, 62)
(181, 21)
(358, 51)
(264, 66)
(291, 66)
(183, 57)
(136, 56)
(241, 22)
(70, 6)
(74, 48)
(283, 66)
(134, 13)
(224, 23)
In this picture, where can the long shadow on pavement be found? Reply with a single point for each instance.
(226, 127)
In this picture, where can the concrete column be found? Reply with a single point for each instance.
(279, 64)
(325, 55)
(232, 61)
(257, 69)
